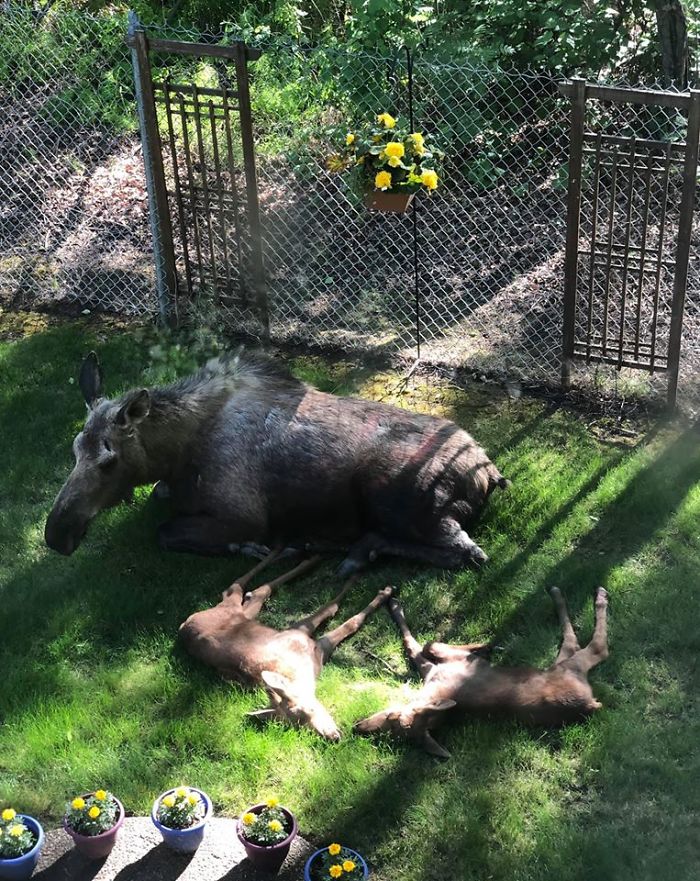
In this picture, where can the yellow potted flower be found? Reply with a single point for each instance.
(335, 861)
(93, 821)
(390, 162)
(266, 831)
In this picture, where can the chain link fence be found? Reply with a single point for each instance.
(74, 216)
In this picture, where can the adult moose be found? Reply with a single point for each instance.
(249, 454)
(461, 677)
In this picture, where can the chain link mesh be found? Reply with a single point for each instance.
(74, 219)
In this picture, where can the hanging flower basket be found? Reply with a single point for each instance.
(388, 164)
(388, 203)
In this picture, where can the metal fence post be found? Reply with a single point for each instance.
(242, 55)
(573, 214)
(685, 228)
(159, 212)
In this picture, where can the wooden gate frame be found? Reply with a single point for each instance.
(164, 252)
(578, 90)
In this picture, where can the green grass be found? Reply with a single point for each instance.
(94, 690)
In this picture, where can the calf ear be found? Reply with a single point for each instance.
(276, 683)
(433, 747)
(90, 379)
(436, 707)
(262, 715)
(135, 409)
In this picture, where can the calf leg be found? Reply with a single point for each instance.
(311, 624)
(239, 585)
(442, 651)
(597, 649)
(255, 599)
(569, 643)
(411, 645)
(331, 640)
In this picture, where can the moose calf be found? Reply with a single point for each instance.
(461, 676)
(287, 662)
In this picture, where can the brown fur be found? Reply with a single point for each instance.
(229, 638)
(461, 677)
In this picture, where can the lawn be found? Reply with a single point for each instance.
(95, 692)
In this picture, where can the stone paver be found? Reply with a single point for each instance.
(140, 855)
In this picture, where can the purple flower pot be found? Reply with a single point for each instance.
(20, 868)
(267, 858)
(183, 840)
(355, 855)
(97, 847)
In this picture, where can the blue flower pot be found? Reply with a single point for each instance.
(355, 855)
(19, 868)
(183, 840)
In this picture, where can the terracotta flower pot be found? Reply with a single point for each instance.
(308, 868)
(183, 840)
(96, 847)
(20, 868)
(387, 202)
(267, 858)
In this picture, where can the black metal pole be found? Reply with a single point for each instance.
(414, 215)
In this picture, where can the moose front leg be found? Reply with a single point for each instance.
(201, 534)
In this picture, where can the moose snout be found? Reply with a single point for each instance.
(63, 533)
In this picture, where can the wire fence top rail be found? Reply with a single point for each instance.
(74, 225)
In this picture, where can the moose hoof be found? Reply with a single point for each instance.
(161, 490)
(477, 557)
(601, 597)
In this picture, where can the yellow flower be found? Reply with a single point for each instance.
(387, 120)
(181, 792)
(394, 161)
(394, 148)
(334, 850)
(9, 814)
(349, 138)
(78, 804)
(272, 802)
(335, 871)
(94, 812)
(169, 801)
(376, 139)
(100, 795)
(16, 830)
(418, 139)
(275, 825)
(248, 819)
(383, 180)
(348, 866)
(429, 179)
(193, 798)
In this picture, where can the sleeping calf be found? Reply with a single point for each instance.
(461, 676)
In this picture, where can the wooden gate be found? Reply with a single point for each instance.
(629, 222)
(200, 169)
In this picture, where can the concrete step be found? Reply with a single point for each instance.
(140, 855)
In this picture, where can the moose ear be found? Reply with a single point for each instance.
(276, 683)
(135, 409)
(90, 379)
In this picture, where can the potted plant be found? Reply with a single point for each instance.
(389, 162)
(335, 861)
(93, 821)
(181, 816)
(267, 831)
(21, 840)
